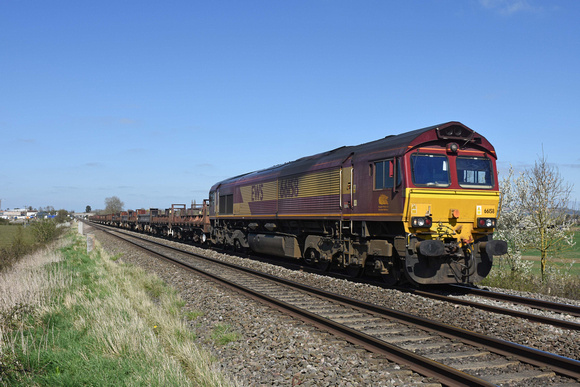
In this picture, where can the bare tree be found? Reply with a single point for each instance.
(61, 216)
(512, 223)
(546, 203)
(113, 205)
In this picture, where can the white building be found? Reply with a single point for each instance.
(18, 214)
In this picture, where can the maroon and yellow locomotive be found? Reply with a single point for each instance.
(420, 206)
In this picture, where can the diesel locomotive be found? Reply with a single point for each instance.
(416, 207)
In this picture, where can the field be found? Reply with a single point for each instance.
(563, 266)
(572, 253)
(7, 234)
(568, 262)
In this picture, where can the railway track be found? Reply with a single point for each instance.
(452, 355)
(505, 309)
(529, 302)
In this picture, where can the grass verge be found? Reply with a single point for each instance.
(561, 279)
(72, 318)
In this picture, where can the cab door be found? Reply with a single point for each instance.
(347, 187)
(386, 187)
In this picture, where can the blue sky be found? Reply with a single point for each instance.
(155, 101)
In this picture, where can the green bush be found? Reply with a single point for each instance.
(16, 248)
(44, 231)
(27, 240)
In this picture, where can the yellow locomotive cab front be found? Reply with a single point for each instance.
(450, 215)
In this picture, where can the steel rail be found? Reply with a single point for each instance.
(573, 310)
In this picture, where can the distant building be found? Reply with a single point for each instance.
(15, 214)
(18, 214)
(44, 215)
(83, 215)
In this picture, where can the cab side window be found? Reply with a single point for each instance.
(226, 204)
(384, 172)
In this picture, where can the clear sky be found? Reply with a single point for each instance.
(155, 101)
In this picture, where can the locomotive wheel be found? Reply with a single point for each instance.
(393, 275)
(312, 258)
(390, 279)
(323, 265)
(238, 246)
(354, 271)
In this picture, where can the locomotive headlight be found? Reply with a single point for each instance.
(485, 222)
(421, 222)
(452, 147)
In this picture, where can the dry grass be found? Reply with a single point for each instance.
(141, 315)
(27, 287)
(122, 315)
(30, 282)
